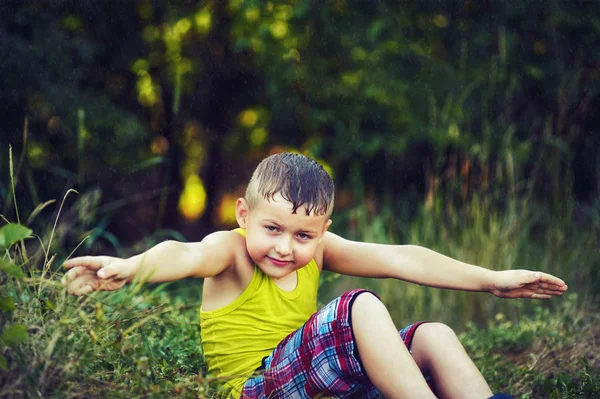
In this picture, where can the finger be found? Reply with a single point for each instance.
(76, 286)
(540, 296)
(553, 286)
(75, 273)
(531, 277)
(86, 289)
(550, 292)
(550, 279)
(92, 262)
(108, 272)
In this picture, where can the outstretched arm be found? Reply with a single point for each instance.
(167, 261)
(426, 267)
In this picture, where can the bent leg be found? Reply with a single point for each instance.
(439, 353)
(317, 360)
(386, 360)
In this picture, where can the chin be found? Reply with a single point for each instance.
(274, 271)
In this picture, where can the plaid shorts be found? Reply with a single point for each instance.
(320, 359)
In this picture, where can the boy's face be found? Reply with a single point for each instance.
(280, 241)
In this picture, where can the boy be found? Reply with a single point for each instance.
(259, 298)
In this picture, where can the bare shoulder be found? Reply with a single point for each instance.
(225, 286)
(226, 239)
(215, 254)
(230, 246)
(328, 245)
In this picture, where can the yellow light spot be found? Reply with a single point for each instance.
(203, 20)
(279, 29)
(226, 210)
(140, 67)
(248, 118)
(453, 131)
(148, 92)
(440, 21)
(192, 202)
(283, 12)
(252, 14)
(183, 26)
(258, 136)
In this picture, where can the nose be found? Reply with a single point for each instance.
(283, 246)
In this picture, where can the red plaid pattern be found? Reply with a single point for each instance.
(320, 359)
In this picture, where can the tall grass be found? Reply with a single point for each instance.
(522, 235)
(136, 342)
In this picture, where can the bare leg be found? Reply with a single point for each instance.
(386, 359)
(438, 352)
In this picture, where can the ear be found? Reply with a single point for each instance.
(241, 212)
(325, 228)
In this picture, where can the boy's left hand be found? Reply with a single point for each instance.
(526, 284)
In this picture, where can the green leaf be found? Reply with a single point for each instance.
(7, 304)
(12, 269)
(12, 233)
(15, 334)
(3, 363)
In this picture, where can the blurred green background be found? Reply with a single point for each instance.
(469, 127)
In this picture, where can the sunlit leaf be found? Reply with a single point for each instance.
(7, 304)
(12, 269)
(14, 335)
(12, 233)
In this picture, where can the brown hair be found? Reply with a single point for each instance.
(298, 178)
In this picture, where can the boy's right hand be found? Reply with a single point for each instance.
(95, 273)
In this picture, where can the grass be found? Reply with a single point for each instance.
(546, 355)
(144, 341)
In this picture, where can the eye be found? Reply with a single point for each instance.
(303, 236)
(272, 229)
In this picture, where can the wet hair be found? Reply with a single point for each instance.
(299, 179)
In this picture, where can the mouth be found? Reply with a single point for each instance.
(278, 262)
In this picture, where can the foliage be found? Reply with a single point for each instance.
(520, 237)
(136, 342)
(521, 357)
(462, 126)
(397, 98)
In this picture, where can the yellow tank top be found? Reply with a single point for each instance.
(236, 337)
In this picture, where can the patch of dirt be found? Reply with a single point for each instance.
(567, 359)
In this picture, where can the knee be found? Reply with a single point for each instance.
(435, 333)
(365, 302)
